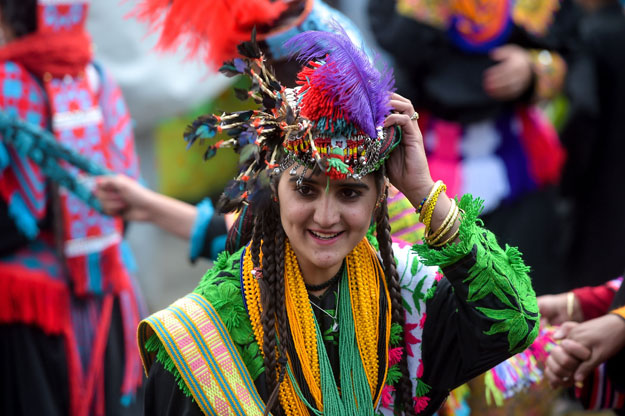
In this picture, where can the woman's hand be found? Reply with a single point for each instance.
(120, 195)
(511, 75)
(564, 360)
(584, 346)
(407, 167)
(604, 336)
(555, 309)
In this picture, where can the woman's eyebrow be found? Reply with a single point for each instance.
(348, 183)
(309, 181)
(352, 184)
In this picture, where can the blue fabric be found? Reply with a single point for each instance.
(127, 257)
(205, 213)
(94, 271)
(4, 157)
(22, 217)
(514, 156)
(320, 18)
(218, 245)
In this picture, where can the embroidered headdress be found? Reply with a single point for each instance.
(332, 121)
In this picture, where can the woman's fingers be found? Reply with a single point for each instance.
(403, 120)
(564, 329)
(402, 106)
(560, 367)
(557, 381)
(576, 349)
(565, 364)
(395, 96)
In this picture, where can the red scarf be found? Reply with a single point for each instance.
(58, 54)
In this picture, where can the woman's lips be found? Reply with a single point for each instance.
(325, 237)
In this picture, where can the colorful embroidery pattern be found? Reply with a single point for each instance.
(418, 283)
(205, 356)
(480, 25)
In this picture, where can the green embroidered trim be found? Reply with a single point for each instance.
(396, 337)
(373, 240)
(397, 334)
(221, 286)
(496, 272)
(393, 375)
(422, 388)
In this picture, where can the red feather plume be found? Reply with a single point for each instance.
(211, 29)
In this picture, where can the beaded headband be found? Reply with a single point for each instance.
(332, 121)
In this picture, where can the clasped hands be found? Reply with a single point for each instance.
(583, 345)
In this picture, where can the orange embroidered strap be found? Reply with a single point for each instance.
(201, 348)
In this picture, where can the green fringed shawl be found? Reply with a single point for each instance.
(494, 272)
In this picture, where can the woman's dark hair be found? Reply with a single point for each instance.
(268, 228)
(20, 16)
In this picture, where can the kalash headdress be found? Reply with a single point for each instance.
(331, 121)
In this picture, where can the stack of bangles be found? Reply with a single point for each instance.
(425, 211)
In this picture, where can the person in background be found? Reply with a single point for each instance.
(474, 70)
(593, 137)
(68, 304)
(591, 352)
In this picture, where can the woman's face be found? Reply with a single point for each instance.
(324, 219)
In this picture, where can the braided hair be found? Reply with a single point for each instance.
(267, 228)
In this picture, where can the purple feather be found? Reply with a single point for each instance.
(349, 75)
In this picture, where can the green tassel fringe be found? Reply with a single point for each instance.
(154, 345)
(393, 375)
(496, 272)
(397, 334)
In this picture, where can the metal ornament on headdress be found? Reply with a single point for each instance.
(332, 121)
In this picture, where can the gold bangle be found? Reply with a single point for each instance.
(430, 204)
(449, 240)
(570, 305)
(448, 227)
(432, 238)
(454, 235)
(428, 198)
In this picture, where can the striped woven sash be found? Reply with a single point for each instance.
(201, 348)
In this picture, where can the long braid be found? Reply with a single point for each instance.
(403, 388)
(268, 296)
(280, 287)
(280, 302)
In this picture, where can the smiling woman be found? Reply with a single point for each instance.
(324, 220)
(320, 313)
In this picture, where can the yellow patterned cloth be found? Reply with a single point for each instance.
(200, 346)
